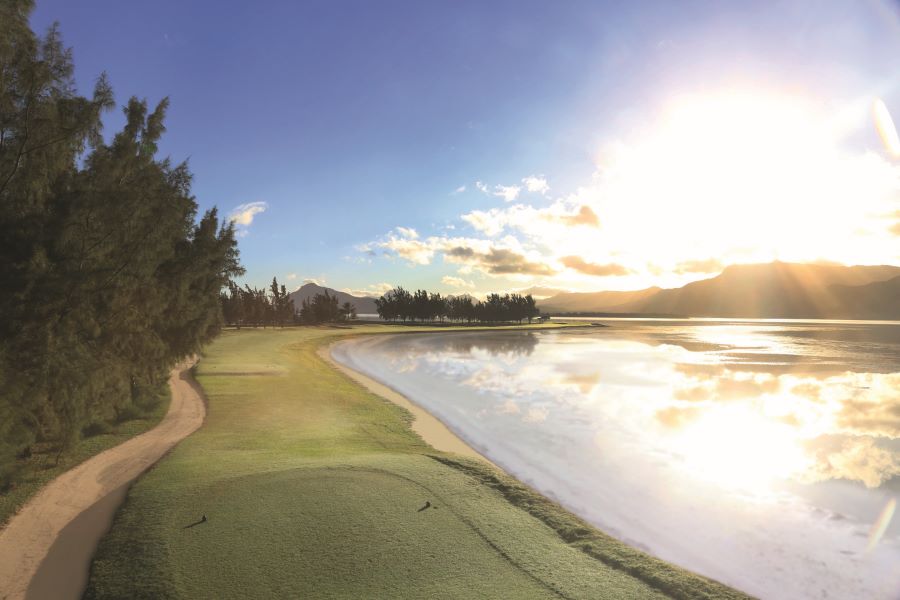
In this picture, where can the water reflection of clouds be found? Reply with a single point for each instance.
(837, 420)
(765, 461)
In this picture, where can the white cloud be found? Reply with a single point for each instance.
(536, 183)
(243, 215)
(408, 232)
(482, 187)
(291, 276)
(457, 282)
(459, 190)
(507, 192)
(404, 243)
(375, 290)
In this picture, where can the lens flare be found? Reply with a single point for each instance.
(881, 524)
(886, 129)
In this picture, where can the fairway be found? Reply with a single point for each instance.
(312, 488)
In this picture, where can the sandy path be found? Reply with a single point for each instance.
(429, 427)
(46, 548)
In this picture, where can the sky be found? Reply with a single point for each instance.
(474, 147)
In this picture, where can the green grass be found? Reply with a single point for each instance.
(311, 485)
(42, 467)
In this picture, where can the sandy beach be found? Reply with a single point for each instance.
(47, 547)
(429, 427)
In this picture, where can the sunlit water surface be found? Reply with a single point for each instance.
(762, 455)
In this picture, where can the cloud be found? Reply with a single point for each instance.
(489, 222)
(375, 290)
(459, 190)
(482, 187)
(408, 232)
(536, 415)
(709, 265)
(585, 215)
(536, 183)
(457, 282)
(404, 243)
(576, 263)
(895, 228)
(291, 276)
(497, 261)
(507, 192)
(857, 458)
(531, 221)
(243, 215)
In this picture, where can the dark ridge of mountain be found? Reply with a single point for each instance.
(364, 305)
(777, 291)
(572, 302)
(540, 291)
(879, 300)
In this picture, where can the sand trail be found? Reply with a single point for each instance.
(47, 547)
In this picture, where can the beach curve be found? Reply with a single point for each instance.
(431, 429)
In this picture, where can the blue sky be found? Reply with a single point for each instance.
(350, 120)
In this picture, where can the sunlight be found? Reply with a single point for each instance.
(736, 447)
(886, 129)
(743, 176)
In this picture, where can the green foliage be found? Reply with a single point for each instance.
(108, 277)
(399, 304)
(252, 307)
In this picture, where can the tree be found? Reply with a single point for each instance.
(109, 277)
(347, 312)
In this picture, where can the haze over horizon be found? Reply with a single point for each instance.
(475, 148)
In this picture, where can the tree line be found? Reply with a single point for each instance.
(252, 307)
(402, 305)
(109, 277)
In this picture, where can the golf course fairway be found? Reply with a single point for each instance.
(312, 486)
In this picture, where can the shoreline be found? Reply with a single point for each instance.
(431, 429)
(47, 547)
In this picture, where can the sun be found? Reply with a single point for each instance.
(744, 176)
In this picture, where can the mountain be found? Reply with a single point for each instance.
(539, 291)
(770, 290)
(364, 305)
(594, 301)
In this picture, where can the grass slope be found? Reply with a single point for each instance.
(42, 467)
(312, 487)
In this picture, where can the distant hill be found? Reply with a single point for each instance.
(771, 290)
(364, 305)
(594, 301)
(539, 291)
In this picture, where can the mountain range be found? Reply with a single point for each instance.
(770, 290)
(364, 304)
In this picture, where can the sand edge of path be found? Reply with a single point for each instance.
(430, 428)
(28, 537)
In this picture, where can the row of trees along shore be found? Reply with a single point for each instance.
(109, 278)
(252, 307)
(402, 305)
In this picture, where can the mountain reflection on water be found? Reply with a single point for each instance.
(757, 453)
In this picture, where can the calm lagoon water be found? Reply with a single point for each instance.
(761, 454)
